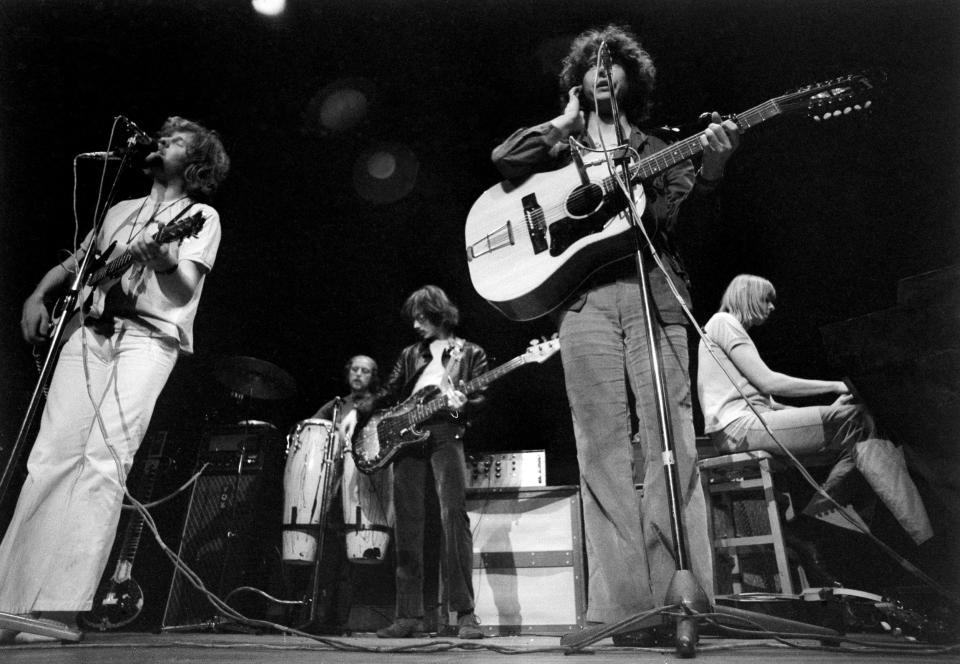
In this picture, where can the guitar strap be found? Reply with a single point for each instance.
(456, 352)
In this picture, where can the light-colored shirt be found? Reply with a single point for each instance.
(138, 294)
(719, 399)
(432, 373)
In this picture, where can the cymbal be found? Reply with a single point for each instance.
(255, 378)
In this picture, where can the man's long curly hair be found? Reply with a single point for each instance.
(625, 49)
(207, 161)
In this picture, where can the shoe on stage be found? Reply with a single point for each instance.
(468, 627)
(403, 628)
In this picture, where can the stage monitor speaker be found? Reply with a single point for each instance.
(528, 560)
(230, 539)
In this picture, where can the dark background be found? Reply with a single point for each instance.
(310, 272)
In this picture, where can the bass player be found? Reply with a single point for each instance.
(440, 360)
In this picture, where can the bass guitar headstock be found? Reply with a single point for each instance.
(541, 351)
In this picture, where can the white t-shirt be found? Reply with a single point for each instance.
(138, 294)
(432, 374)
(720, 401)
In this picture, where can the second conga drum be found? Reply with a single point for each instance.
(310, 481)
(368, 514)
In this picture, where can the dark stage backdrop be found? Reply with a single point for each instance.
(310, 272)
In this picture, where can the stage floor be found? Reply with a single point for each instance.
(184, 648)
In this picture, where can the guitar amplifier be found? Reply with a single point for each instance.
(528, 560)
(232, 526)
(240, 448)
(526, 468)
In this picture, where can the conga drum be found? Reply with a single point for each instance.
(310, 480)
(368, 514)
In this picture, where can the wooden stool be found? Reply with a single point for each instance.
(725, 479)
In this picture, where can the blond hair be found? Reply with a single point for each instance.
(746, 297)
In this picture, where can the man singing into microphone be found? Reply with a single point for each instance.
(604, 340)
(115, 360)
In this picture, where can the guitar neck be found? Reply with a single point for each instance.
(434, 406)
(689, 147)
(131, 535)
(113, 269)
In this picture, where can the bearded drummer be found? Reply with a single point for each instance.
(363, 379)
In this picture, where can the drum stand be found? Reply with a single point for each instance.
(333, 455)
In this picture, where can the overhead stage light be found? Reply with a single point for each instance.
(269, 7)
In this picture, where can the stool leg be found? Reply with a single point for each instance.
(776, 531)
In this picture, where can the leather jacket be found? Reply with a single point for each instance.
(411, 363)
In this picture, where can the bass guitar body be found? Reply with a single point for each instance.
(389, 431)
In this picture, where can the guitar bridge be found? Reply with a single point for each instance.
(536, 223)
(501, 237)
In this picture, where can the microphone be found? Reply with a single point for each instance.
(139, 135)
(605, 60)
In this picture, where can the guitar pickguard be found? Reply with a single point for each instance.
(384, 435)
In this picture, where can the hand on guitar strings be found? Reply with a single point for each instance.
(455, 397)
(719, 140)
(161, 257)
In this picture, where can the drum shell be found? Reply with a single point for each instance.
(368, 512)
(310, 479)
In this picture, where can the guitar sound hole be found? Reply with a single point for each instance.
(584, 200)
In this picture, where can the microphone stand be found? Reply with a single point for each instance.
(69, 301)
(332, 459)
(40, 626)
(684, 592)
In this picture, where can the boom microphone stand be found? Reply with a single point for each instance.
(684, 591)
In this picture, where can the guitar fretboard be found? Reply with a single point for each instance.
(689, 147)
(174, 230)
(426, 411)
(131, 536)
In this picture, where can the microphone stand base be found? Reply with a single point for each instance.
(39, 626)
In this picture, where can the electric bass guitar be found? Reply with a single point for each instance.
(389, 431)
(531, 243)
(103, 273)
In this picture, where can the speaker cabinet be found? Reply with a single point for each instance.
(528, 560)
(230, 538)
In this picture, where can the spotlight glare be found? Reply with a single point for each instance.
(381, 165)
(269, 7)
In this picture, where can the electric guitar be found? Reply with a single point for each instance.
(389, 431)
(530, 244)
(119, 598)
(103, 272)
